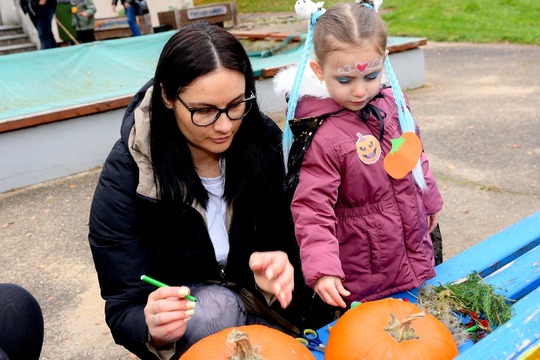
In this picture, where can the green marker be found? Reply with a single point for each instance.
(156, 283)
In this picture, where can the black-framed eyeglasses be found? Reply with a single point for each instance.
(209, 115)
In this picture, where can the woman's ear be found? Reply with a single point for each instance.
(168, 103)
(317, 69)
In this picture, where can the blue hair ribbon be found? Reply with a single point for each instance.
(293, 96)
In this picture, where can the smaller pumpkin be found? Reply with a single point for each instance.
(404, 155)
(389, 329)
(248, 342)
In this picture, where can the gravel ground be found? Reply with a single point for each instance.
(480, 122)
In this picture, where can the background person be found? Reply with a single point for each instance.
(131, 15)
(41, 12)
(83, 19)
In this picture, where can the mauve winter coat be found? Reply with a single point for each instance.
(354, 221)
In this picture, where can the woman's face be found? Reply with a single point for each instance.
(218, 89)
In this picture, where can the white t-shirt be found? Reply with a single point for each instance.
(216, 216)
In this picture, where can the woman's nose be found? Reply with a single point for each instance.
(223, 123)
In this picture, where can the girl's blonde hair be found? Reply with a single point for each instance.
(349, 24)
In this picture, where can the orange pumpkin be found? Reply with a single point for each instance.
(251, 342)
(404, 155)
(389, 329)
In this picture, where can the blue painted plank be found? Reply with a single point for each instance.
(519, 277)
(492, 253)
(514, 337)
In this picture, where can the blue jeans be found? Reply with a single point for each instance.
(44, 18)
(132, 21)
(217, 308)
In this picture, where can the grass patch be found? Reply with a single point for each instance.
(477, 21)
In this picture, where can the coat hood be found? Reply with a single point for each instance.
(135, 133)
(310, 89)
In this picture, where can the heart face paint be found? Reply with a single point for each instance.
(361, 67)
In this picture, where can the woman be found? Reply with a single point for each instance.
(192, 195)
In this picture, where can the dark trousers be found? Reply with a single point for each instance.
(21, 324)
(85, 36)
(43, 21)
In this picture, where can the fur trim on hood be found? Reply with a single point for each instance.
(283, 82)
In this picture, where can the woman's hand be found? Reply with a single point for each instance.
(167, 313)
(274, 274)
(330, 290)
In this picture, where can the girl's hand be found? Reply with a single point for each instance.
(274, 274)
(167, 313)
(330, 290)
(432, 222)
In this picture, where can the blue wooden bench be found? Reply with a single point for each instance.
(509, 260)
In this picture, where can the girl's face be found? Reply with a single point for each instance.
(219, 89)
(352, 75)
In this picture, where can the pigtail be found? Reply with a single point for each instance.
(312, 11)
(406, 120)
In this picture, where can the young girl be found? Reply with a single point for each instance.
(363, 234)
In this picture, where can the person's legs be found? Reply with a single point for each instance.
(132, 21)
(44, 27)
(85, 36)
(217, 308)
(21, 324)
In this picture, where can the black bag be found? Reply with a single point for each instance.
(141, 7)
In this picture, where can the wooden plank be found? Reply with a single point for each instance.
(216, 13)
(410, 43)
(514, 337)
(492, 253)
(519, 277)
(65, 114)
(264, 35)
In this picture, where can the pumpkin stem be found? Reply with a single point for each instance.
(402, 330)
(243, 350)
(396, 144)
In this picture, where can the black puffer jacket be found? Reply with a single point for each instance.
(131, 234)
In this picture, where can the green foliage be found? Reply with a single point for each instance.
(474, 294)
(471, 298)
(477, 21)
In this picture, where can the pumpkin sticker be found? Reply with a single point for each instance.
(404, 155)
(368, 148)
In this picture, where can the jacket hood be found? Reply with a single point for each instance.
(283, 82)
(313, 97)
(310, 89)
(135, 133)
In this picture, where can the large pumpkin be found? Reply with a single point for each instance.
(389, 329)
(249, 342)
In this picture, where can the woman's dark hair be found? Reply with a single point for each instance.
(194, 51)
